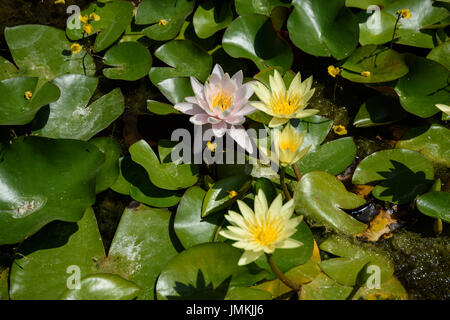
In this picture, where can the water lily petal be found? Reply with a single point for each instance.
(249, 257)
(219, 129)
(289, 244)
(188, 108)
(240, 135)
(276, 122)
(199, 118)
(262, 92)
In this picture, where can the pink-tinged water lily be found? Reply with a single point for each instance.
(222, 102)
(284, 104)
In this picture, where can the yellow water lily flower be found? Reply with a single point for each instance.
(263, 230)
(404, 13)
(288, 145)
(75, 48)
(87, 28)
(28, 95)
(444, 108)
(162, 22)
(94, 16)
(340, 130)
(284, 104)
(333, 71)
(84, 18)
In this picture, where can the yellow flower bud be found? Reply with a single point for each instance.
(75, 47)
(333, 71)
(84, 18)
(87, 28)
(404, 13)
(28, 95)
(340, 130)
(162, 22)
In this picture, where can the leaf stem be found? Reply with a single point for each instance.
(280, 275)
(283, 183)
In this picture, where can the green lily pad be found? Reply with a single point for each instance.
(211, 17)
(253, 37)
(352, 266)
(174, 12)
(133, 180)
(44, 52)
(286, 259)
(44, 180)
(379, 28)
(323, 28)
(103, 287)
(364, 4)
(130, 60)
(324, 288)
(332, 157)
(320, 197)
(176, 89)
(441, 54)
(71, 117)
(165, 175)
(399, 174)
(391, 289)
(316, 127)
(7, 69)
(161, 108)
(115, 16)
(185, 59)
(242, 293)
(217, 198)
(384, 65)
(53, 258)
(141, 247)
(378, 110)
(189, 226)
(433, 143)
(110, 169)
(423, 87)
(435, 204)
(267, 187)
(15, 109)
(206, 271)
(4, 276)
(264, 7)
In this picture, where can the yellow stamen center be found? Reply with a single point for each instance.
(285, 104)
(222, 99)
(265, 234)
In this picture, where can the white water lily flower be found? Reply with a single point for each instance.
(444, 108)
(288, 145)
(284, 104)
(222, 102)
(264, 230)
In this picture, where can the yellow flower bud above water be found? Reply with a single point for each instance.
(75, 48)
(365, 74)
(87, 28)
(94, 16)
(162, 22)
(232, 194)
(333, 71)
(340, 130)
(404, 13)
(28, 95)
(84, 18)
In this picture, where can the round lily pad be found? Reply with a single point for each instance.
(423, 87)
(71, 117)
(44, 180)
(56, 257)
(263, 7)
(379, 110)
(323, 28)
(399, 175)
(435, 204)
(206, 271)
(130, 61)
(320, 197)
(253, 37)
(382, 63)
(103, 287)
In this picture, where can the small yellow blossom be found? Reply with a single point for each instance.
(365, 74)
(75, 47)
(162, 22)
(404, 13)
(60, 2)
(340, 130)
(84, 18)
(232, 194)
(87, 28)
(333, 71)
(263, 230)
(211, 146)
(28, 95)
(94, 16)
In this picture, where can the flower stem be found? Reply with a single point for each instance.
(280, 275)
(297, 171)
(283, 183)
(395, 30)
